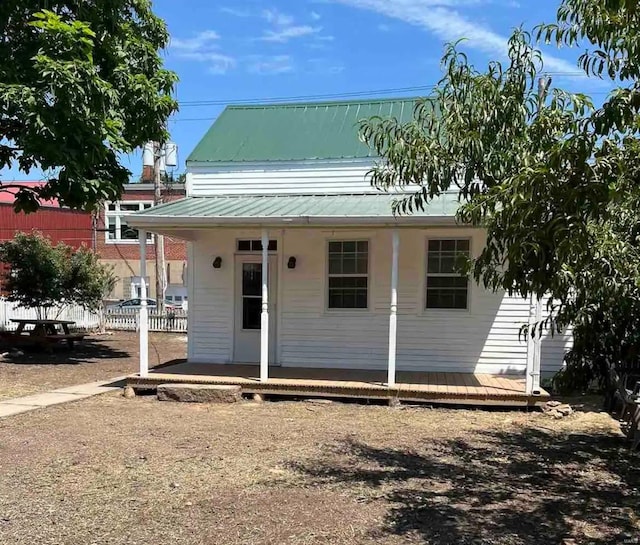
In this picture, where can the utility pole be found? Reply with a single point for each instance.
(543, 88)
(157, 199)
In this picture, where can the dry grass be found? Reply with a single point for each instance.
(98, 357)
(114, 471)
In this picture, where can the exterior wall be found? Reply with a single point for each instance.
(484, 338)
(124, 269)
(59, 224)
(124, 257)
(293, 177)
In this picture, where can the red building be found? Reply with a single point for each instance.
(59, 224)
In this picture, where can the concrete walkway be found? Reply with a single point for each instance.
(9, 407)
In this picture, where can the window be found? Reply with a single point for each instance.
(447, 287)
(256, 246)
(116, 226)
(348, 274)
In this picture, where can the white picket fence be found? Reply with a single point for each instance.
(83, 318)
(128, 320)
(118, 319)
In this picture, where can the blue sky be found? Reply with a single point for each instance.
(232, 51)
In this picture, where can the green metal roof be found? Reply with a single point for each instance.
(293, 209)
(293, 132)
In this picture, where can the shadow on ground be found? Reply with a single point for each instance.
(525, 488)
(89, 350)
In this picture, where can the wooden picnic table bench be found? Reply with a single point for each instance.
(45, 332)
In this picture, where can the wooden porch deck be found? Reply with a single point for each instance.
(446, 388)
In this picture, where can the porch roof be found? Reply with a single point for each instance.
(371, 209)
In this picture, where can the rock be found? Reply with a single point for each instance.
(200, 393)
(564, 409)
(319, 401)
(17, 353)
(258, 398)
(129, 392)
(556, 409)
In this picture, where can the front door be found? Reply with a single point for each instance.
(248, 307)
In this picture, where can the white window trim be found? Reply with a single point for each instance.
(426, 274)
(346, 311)
(117, 214)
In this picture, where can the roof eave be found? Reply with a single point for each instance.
(150, 222)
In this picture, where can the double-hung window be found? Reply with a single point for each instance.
(115, 224)
(447, 285)
(348, 284)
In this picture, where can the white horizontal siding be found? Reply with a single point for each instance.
(279, 178)
(485, 338)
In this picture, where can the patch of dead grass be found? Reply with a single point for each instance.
(116, 471)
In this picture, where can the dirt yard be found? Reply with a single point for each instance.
(98, 357)
(113, 471)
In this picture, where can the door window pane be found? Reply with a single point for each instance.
(251, 309)
(252, 279)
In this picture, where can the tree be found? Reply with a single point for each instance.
(81, 83)
(42, 276)
(552, 178)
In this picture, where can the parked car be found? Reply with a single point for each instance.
(134, 304)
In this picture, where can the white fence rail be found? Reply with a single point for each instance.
(83, 318)
(118, 319)
(127, 320)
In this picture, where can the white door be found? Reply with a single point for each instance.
(248, 309)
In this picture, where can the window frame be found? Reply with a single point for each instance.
(425, 276)
(327, 275)
(251, 251)
(117, 216)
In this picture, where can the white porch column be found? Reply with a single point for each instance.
(537, 344)
(144, 311)
(532, 379)
(393, 308)
(264, 317)
(528, 375)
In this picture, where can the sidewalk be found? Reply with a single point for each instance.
(9, 407)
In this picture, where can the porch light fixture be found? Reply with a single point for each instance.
(217, 262)
(291, 264)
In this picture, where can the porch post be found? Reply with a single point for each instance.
(264, 317)
(393, 314)
(537, 344)
(144, 311)
(528, 377)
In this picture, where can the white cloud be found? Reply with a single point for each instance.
(235, 12)
(204, 48)
(315, 15)
(286, 33)
(265, 65)
(437, 17)
(277, 18)
(205, 39)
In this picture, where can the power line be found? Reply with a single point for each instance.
(292, 98)
(354, 94)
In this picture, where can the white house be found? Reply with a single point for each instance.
(295, 260)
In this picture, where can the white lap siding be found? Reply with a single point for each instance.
(483, 338)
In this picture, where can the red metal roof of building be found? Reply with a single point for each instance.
(7, 196)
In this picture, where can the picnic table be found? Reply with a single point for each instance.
(44, 332)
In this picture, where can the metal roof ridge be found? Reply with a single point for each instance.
(301, 104)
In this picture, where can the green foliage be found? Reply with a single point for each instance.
(550, 177)
(81, 83)
(40, 275)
